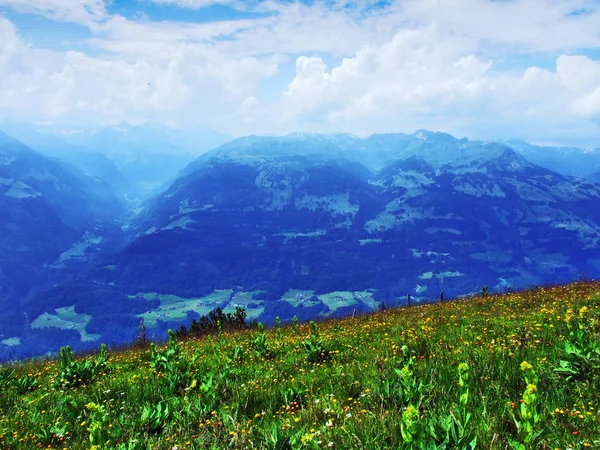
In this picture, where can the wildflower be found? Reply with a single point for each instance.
(569, 315)
(526, 366)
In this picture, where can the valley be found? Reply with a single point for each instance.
(306, 225)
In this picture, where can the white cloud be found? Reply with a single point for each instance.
(425, 78)
(416, 71)
(523, 25)
(85, 12)
(196, 4)
(195, 83)
(11, 44)
(443, 64)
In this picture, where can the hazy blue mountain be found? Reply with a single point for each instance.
(138, 160)
(150, 156)
(378, 150)
(53, 221)
(571, 161)
(264, 207)
(320, 224)
(88, 162)
(148, 138)
(288, 215)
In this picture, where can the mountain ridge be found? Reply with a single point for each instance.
(287, 224)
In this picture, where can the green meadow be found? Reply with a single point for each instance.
(519, 371)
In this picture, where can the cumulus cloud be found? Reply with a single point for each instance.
(415, 72)
(425, 77)
(355, 66)
(11, 45)
(195, 83)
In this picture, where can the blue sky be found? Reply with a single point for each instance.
(133, 10)
(484, 69)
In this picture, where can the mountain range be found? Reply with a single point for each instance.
(307, 224)
(135, 160)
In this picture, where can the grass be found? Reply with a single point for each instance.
(175, 308)
(332, 300)
(336, 300)
(11, 341)
(295, 297)
(519, 371)
(242, 300)
(66, 319)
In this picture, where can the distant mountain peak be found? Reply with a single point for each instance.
(426, 135)
(506, 159)
(334, 136)
(11, 144)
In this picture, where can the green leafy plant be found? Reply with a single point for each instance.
(7, 377)
(173, 369)
(410, 390)
(457, 422)
(154, 417)
(99, 427)
(314, 345)
(74, 373)
(161, 361)
(581, 349)
(528, 415)
(260, 344)
(415, 432)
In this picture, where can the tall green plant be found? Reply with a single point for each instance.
(74, 373)
(457, 422)
(528, 416)
(174, 369)
(581, 348)
(260, 344)
(314, 345)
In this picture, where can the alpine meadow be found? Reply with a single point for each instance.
(512, 371)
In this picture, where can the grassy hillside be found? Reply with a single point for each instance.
(519, 371)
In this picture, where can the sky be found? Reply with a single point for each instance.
(484, 69)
